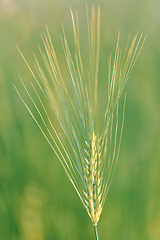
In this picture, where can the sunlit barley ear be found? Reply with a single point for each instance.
(88, 154)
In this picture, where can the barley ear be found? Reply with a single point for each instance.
(88, 155)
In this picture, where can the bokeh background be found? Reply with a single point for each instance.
(37, 201)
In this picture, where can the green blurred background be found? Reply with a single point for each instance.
(37, 202)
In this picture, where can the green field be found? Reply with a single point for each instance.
(37, 201)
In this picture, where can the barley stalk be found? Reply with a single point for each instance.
(88, 155)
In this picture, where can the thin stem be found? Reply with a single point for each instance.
(96, 232)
